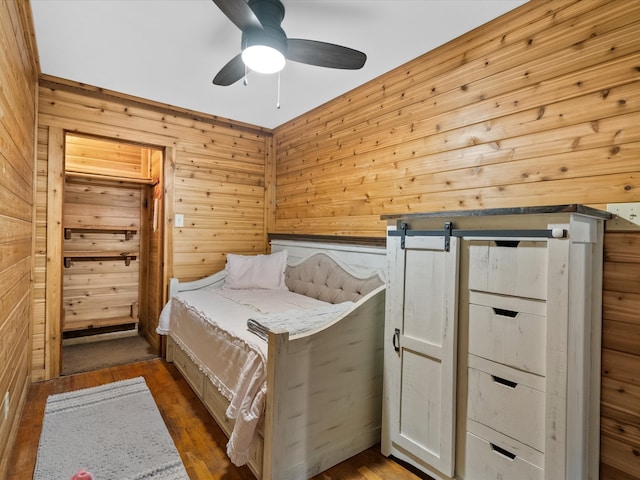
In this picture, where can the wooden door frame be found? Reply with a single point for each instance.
(55, 234)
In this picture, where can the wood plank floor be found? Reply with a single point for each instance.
(199, 440)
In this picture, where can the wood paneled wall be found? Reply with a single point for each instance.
(102, 157)
(214, 174)
(540, 106)
(101, 290)
(113, 184)
(620, 418)
(18, 107)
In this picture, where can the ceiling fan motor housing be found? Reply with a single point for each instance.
(271, 14)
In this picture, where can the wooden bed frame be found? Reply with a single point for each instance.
(324, 388)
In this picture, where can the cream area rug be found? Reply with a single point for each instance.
(113, 431)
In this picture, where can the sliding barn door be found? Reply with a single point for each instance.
(420, 353)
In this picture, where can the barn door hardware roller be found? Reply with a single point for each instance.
(448, 231)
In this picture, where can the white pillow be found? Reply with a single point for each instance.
(256, 271)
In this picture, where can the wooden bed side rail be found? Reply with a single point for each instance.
(336, 370)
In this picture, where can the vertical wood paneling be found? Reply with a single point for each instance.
(18, 103)
(155, 229)
(53, 288)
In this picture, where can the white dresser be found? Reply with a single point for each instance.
(492, 343)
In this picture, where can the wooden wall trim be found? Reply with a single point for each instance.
(34, 234)
(270, 189)
(341, 239)
(169, 212)
(56, 83)
(55, 198)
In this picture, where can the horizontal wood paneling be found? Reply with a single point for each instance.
(216, 180)
(18, 104)
(538, 107)
(99, 292)
(620, 417)
(94, 155)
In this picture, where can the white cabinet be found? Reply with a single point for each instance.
(492, 343)
(423, 350)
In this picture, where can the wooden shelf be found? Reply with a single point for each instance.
(70, 176)
(128, 232)
(93, 255)
(105, 322)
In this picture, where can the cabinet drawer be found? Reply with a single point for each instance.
(507, 400)
(508, 330)
(493, 456)
(189, 370)
(518, 270)
(217, 405)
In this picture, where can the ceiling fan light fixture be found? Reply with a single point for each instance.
(263, 59)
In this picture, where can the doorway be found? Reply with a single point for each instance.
(112, 251)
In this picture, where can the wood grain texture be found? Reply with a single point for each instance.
(620, 416)
(214, 174)
(199, 440)
(507, 115)
(96, 291)
(18, 107)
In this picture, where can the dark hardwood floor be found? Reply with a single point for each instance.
(199, 440)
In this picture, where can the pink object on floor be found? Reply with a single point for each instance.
(82, 475)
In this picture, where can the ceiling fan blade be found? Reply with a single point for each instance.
(231, 72)
(240, 13)
(324, 54)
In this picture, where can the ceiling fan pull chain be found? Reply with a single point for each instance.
(245, 81)
(278, 103)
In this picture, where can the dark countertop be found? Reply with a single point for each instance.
(572, 208)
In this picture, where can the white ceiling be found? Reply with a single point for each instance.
(170, 50)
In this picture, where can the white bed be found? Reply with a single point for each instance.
(310, 396)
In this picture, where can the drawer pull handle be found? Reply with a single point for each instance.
(502, 451)
(505, 313)
(507, 243)
(504, 381)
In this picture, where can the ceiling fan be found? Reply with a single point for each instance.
(265, 46)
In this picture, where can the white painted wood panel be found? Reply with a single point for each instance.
(507, 400)
(487, 460)
(508, 330)
(421, 323)
(520, 270)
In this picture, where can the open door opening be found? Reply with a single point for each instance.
(112, 220)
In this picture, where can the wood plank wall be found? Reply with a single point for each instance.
(537, 107)
(620, 416)
(102, 292)
(214, 175)
(102, 157)
(111, 189)
(540, 106)
(18, 106)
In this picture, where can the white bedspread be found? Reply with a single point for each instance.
(210, 325)
(297, 322)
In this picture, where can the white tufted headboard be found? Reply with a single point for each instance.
(321, 277)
